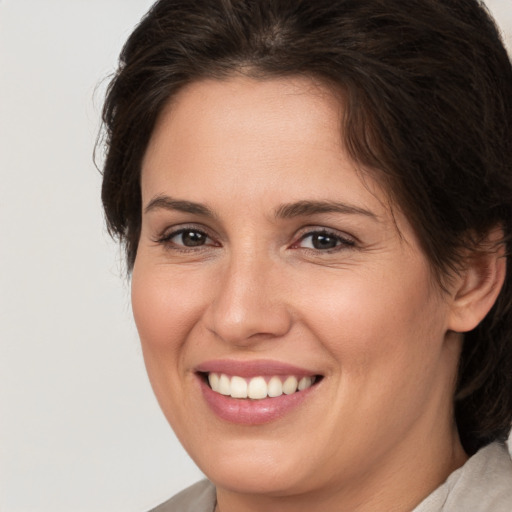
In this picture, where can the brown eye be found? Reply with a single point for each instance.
(324, 241)
(188, 238)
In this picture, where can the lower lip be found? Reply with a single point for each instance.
(252, 412)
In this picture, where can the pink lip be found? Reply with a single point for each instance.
(247, 411)
(255, 368)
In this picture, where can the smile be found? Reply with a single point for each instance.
(258, 388)
(255, 392)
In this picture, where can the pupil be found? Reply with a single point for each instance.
(193, 238)
(324, 242)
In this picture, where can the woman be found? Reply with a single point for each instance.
(315, 199)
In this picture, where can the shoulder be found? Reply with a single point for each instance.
(483, 484)
(199, 497)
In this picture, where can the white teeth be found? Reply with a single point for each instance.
(290, 385)
(304, 383)
(257, 387)
(213, 379)
(275, 387)
(238, 387)
(224, 385)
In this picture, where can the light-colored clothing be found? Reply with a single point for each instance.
(200, 497)
(483, 484)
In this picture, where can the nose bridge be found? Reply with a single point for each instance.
(247, 300)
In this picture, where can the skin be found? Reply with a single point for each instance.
(377, 433)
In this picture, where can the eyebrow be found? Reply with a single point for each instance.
(284, 211)
(304, 208)
(168, 203)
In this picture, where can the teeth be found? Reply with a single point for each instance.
(257, 387)
(238, 387)
(304, 383)
(224, 385)
(275, 387)
(213, 379)
(290, 385)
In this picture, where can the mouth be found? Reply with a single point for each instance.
(255, 392)
(258, 387)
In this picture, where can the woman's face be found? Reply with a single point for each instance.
(265, 260)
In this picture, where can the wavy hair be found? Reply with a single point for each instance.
(427, 91)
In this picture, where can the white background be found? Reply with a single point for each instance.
(79, 427)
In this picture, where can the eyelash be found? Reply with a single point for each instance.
(342, 242)
(166, 239)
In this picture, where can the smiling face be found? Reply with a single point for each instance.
(266, 261)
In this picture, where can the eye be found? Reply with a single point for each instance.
(186, 237)
(190, 238)
(323, 240)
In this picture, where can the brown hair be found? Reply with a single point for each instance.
(427, 87)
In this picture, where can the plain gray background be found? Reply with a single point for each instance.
(79, 427)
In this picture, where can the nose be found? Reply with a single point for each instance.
(249, 302)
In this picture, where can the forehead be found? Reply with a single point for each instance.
(256, 144)
(255, 111)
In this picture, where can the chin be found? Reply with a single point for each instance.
(256, 466)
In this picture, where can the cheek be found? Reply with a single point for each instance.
(165, 306)
(375, 326)
(165, 310)
(385, 337)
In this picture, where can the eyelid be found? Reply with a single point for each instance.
(345, 239)
(167, 234)
(170, 232)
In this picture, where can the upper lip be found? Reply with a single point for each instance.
(253, 368)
